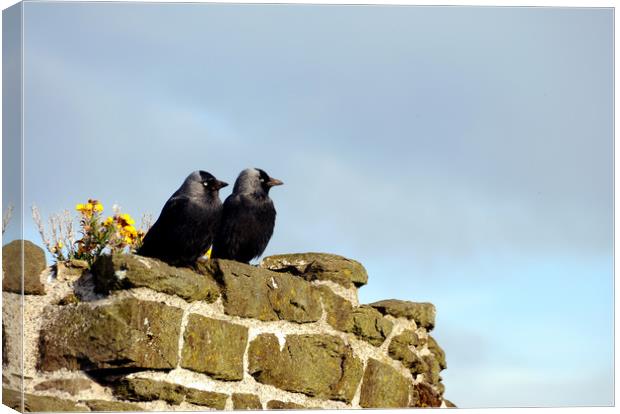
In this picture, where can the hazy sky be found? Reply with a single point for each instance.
(463, 155)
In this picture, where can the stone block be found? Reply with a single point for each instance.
(143, 389)
(129, 333)
(422, 313)
(283, 405)
(34, 263)
(316, 365)
(339, 311)
(115, 406)
(436, 350)
(38, 403)
(384, 387)
(370, 326)
(124, 271)
(214, 347)
(425, 396)
(319, 266)
(246, 402)
(274, 296)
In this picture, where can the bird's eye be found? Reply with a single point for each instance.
(262, 180)
(205, 183)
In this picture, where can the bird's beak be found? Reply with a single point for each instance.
(220, 184)
(273, 182)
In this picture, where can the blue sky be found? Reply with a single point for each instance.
(462, 154)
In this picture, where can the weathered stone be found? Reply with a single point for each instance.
(370, 326)
(449, 404)
(143, 389)
(103, 405)
(339, 310)
(274, 296)
(441, 388)
(432, 369)
(210, 399)
(37, 403)
(69, 299)
(33, 264)
(422, 313)
(426, 396)
(72, 385)
(282, 405)
(316, 365)
(124, 271)
(319, 266)
(437, 351)
(384, 387)
(401, 349)
(214, 347)
(129, 333)
(246, 402)
(70, 270)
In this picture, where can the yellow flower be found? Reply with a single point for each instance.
(127, 218)
(131, 230)
(108, 221)
(127, 240)
(79, 207)
(60, 245)
(88, 207)
(98, 207)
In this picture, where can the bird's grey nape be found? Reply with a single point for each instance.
(192, 186)
(247, 182)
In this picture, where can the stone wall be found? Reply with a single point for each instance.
(136, 334)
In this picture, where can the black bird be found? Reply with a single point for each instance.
(248, 218)
(187, 223)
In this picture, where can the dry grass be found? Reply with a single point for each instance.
(6, 217)
(61, 237)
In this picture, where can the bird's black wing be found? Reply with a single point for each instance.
(172, 237)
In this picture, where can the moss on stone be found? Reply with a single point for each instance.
(339, 311)
(129, 333)
(316, 365)
(38, 403)
(124, 271)
(400, 348)
(103, 405)
(246, 402)
(143, 389)
(210, 399)
(370, 326)
(319, 266)
(422, 313)
(274, 296)
(214, 347)
(283, 405)
(437, 351)
(384, 387)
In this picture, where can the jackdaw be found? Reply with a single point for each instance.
(187, 223)
(248, 218)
